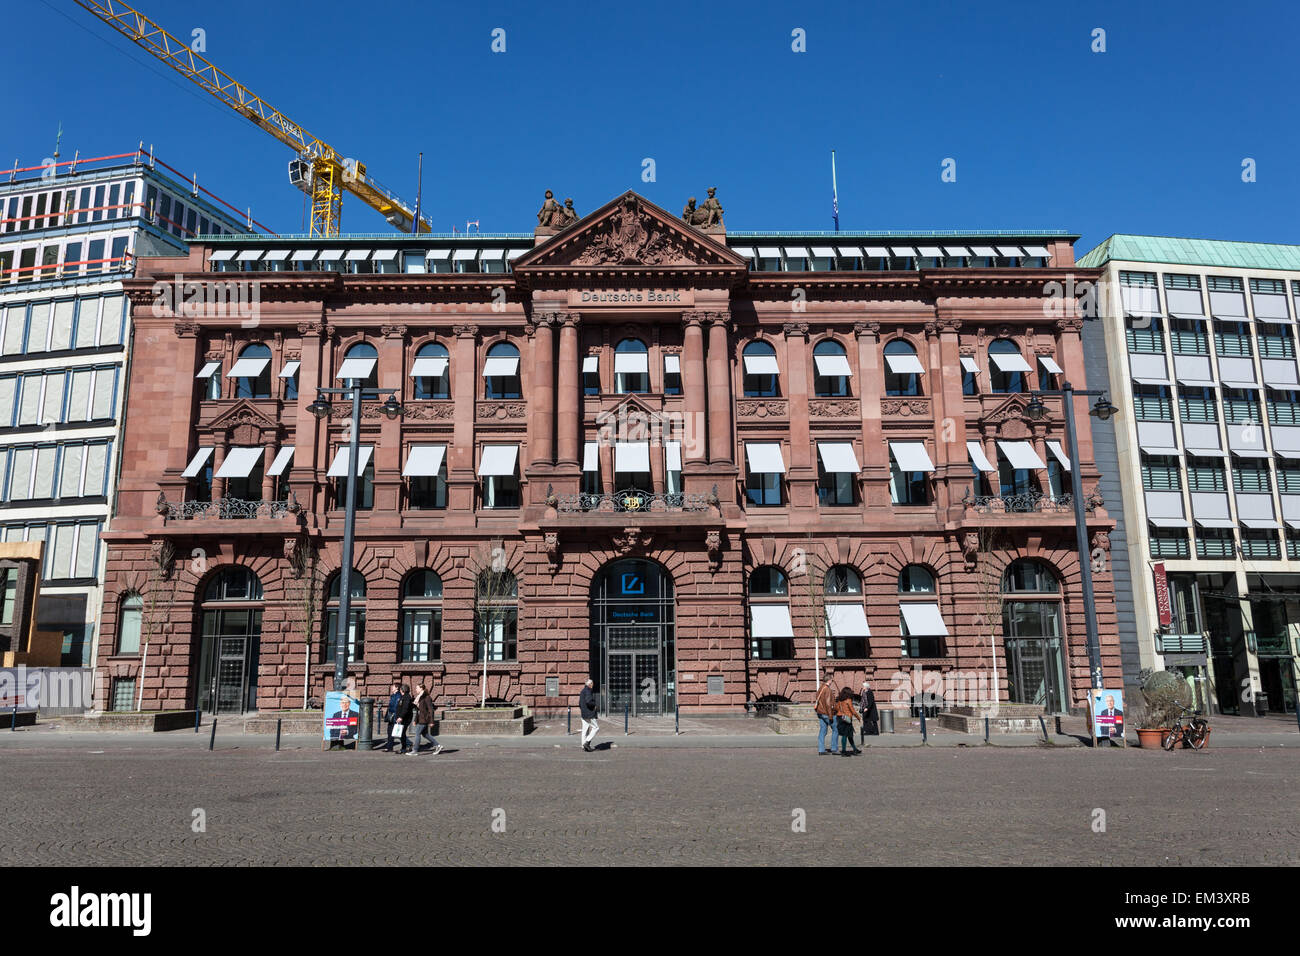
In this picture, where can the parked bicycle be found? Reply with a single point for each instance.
(1190, 729)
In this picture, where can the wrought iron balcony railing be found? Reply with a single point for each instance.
(1024, 503)
(633, 501)
(224, 508)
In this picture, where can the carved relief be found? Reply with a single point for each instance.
(970, 549)
(501, 411)
(766, 408)
(394, 331)
(905, 407)
(552, 551)
(834, 408)
(1101, 539)
(630, 237)
(713, 543)
(428, 411)
(185, 329)
(631, 539)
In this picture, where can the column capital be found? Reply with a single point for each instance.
(871, 329)
(547, 319)
(466, 331)
(186, 330)
(949, 324)
(319, 329)
(1069, 324)
(795, 329)
(394, 331)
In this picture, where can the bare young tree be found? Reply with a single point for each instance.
(810, 566)
(496, 596)
(157, 593)
(306, 595)
(989, 591)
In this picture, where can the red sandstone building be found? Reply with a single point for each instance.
(693, 466)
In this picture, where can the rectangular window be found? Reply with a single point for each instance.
(1292, 544)
(15, 329)
(110, 325)
(1198, 405)
(95, 257)
(1275, 341)
(1240, 405)
(72, 259)
(1251, 475)
(1283, 407)
(1232, 339)
(498, 635)
(907, 487)
(1205, 474)
(123, 693)
(763, 489)
(422, 634)
(1188, 337)
(1161, 473)
(1144, 334)
(1151, 403)
(1169, 543)
(61, 328)
(1288, 477)
(98, 213)
(1215, 543)
(1260, 545)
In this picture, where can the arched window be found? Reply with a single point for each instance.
(430, 372)
(501, 371)
(129, 623)
(920, 622)
(1007, 367)
(847, 634)
(631, 367)
(254, 364)
(496, 616)
(771, 636)
(830, 369)
(1032, 634)
(356, 617)
(365, 352)
(915, 579)
(903, 369)
(231, 625)
(422, 617)
(761, 373)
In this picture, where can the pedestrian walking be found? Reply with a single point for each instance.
(423, 706)
(587, 711)
(844, 714)
(870, 713)
(826, 716)
(390, 714)
(402, 724)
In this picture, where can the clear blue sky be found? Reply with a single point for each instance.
(1147, 137)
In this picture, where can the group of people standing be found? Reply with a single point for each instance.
(836, 713)
(406, 710)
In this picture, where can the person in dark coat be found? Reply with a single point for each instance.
(870, 714)
(423, 706)
(844, 714)
(587, 711)
(390, 714)
(404, 710)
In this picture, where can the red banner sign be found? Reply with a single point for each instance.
(1162, 594)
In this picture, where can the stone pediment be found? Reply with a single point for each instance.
(244, 421)
(633, 420)
(1010, 418)
(629, 231)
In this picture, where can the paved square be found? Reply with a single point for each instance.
(133, 804)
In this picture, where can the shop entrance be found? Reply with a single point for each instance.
(632, 639)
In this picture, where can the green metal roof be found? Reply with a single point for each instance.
(1194, 252)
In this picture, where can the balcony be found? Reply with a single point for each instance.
(634, 501)
(225, 509)
(1029, 502)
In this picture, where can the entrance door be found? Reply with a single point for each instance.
(632, 639)
(1034, 672)
(1278, 681)
(232, 670)
(634, 683)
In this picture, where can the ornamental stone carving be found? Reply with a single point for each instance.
(466, 331)
(394, 331)
(630, 237)
(552, 539)
(834, 408)
(970, 549)
(905, 407)
(1101, 541)
(428, 411)
(713, 544)
(707, 217)
(313, 328)
(186, 329)
(501, 411)
(631, 539)
(795, 328)
(767, 408)
(866, 328)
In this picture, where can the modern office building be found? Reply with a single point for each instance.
(1201, 340)
(70, 233)
(698, 467)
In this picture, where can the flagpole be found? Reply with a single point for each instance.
(835, 195)
(419, 188)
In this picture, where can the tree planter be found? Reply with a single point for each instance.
(1151, 737)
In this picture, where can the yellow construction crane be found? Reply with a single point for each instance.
(318, 170)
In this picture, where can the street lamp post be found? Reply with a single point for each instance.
(321, 409)
(1102, 410)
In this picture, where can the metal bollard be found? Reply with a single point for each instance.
(986, 730)
(198, 719)
(568, 727)
(13, 718)
(1043, 726)
(627, 710)
(925, 736)
(677, 719)
(213, 739)
(278, 722)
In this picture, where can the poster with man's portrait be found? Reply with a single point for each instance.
(1108, 714)
(342, 716)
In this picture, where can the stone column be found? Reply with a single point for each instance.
(694, 442)
(268, 456)
(388, 454)
(871, 383)
(569, 387)
(461, 479)
(542, 397)
(802, 477)
(719, 363)
(310, 463)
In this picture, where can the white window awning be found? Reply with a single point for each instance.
(1021, 454)
(1152, 381)
(850, 252)
(1197, 382)
(492, 255)
(673, 364)
(770, 620)
(823, 252)
(761, 365)
(923, 620)
(1216, 522)
(222, 255)
(902, 252)
(437, 255)
(956, 251)
(275, 255)
(330, 255)
(591, 456)
(1242, 386)
(208, 370)
(745, 252)
(795, 252)
(353, 368)
(424, 461)
(847, 620)
(984, 252)
(429, 366)
(1010, 252)
(498, 460)
(911, 456)
(1010, 361)
(500, 365)
(305, 255)
(1258, 524)
(283, 459)
(769, 252)
(673, 455)
(197, 462)
(357, 255)
(905, 365)
(1170, 522)
(1059, 453)
(832, 366)
(383, 255)
(631, 362)
(1049, 363)
(1038, 252)
(590, 365)
(631, 457)
(970, 365)
(239, 462)
(463, 255)
(514, 254)
(764, 458)
(339, 466)
(838, 457)
(981, 460)
(876, 252)
(248, 367)
(290, 369)
(930, 252)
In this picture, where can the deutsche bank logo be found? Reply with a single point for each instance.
(633, 584)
